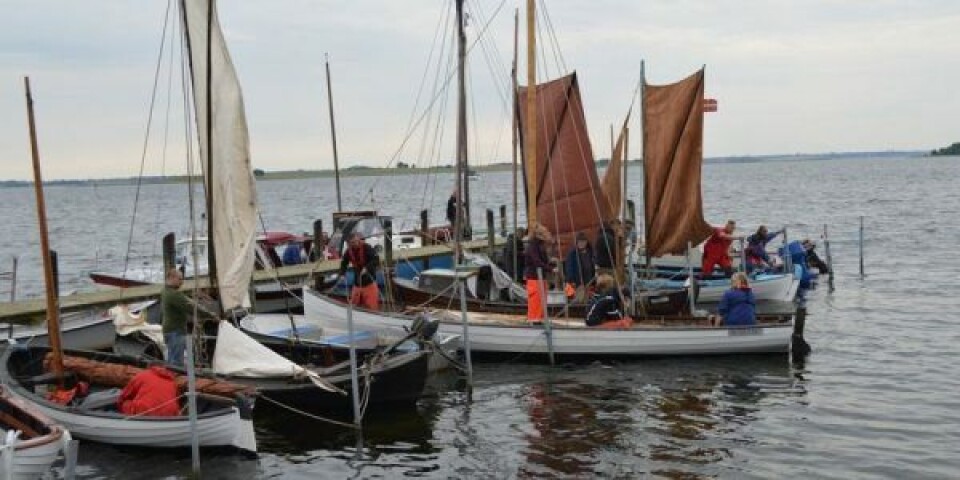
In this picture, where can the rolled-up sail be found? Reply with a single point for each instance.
(231, 183)
(569, 199)
(672, 157)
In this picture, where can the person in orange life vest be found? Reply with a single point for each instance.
(152, 392)
(535, 256)
(365, 263)
(716, 250)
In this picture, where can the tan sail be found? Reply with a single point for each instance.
(231, 183)
(672, 157)
(568, 199)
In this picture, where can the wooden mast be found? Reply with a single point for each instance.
(530, 136)
(513, 75)
(333, 133)
(53, 313)
(211, 251)
(462, 218)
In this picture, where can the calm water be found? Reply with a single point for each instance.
(877, 398)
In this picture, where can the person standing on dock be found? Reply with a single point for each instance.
(536, 265)
(716, 250)
(176, 311)
(365, 261)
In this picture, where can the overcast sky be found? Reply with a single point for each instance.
(790, 76)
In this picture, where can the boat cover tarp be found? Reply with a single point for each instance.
(569, 198)
(230, 183)
(241, 356)
(672, 157)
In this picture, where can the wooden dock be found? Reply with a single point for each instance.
(33, 310)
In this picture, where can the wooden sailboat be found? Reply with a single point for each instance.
(33, 373)
(32, 439)
(566, 188)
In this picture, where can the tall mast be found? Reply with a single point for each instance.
(53, 313)
(463, 215)
(333, 134)
(530, 136)
(513, 80)
(211, 251)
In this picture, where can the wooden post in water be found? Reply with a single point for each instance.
(53, 314)
(861, 247)
(503, 220)
(542, 285)
(354, 380)
(388, 257)
(826, 246)
(491, 239)
(169, 252)
(316, 250)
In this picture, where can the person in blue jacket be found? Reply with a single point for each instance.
(579, 267)
(737, 307)
(757, 257)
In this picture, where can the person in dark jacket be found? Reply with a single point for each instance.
(605, 309)
(578, 267)
(757, 256)
(536, 264)
(737, 307)
(176, 313)
(365, 262)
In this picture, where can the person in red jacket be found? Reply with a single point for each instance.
(716, 250)
(152, 392)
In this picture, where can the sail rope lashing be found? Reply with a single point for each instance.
(146, 136)
(450, 76)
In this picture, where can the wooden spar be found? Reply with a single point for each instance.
(211, 250)
(53, 313)
(530, 136)
(513, 74)
(333, 133)
(462, 220)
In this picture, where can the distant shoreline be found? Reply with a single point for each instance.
(361, 171)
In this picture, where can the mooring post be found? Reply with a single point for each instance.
(55, 263)
(542, 286)
(692, 294)
(861, 247)
(503, 220)
(70, 459)
(316, 249)
(466, 330)
(425, 227)
(13, 281)
(826, 246)
(491, 239)
(169, 252)
(743, 256)
(354, 380)
(787, 258)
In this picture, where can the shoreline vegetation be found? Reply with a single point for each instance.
(405, 169)
(952, 150)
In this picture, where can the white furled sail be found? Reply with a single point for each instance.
(239, 355)
(231, 183)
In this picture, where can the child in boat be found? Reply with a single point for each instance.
(605, 309)
(737, 307)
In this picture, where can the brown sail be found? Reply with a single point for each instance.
(568, 194)
(672, 157)
(612, 183)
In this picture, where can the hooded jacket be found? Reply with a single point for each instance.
(738, 307)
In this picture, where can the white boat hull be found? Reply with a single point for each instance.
(488, 334)
(778, 288)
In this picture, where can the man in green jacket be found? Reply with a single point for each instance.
(176, 311)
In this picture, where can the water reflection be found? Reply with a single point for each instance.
(681, 420)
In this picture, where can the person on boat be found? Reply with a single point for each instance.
(606, 246)
(579, 267)
(737, 306)
(757, 257)
(452, 205)
(536, 265)
(716, 250)
(365, 262)
(605, 309)
(176, 312)
(152, 392)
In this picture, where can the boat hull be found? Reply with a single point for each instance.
(509, 334)
(222, 426)
(79, 331)
(34, 454)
